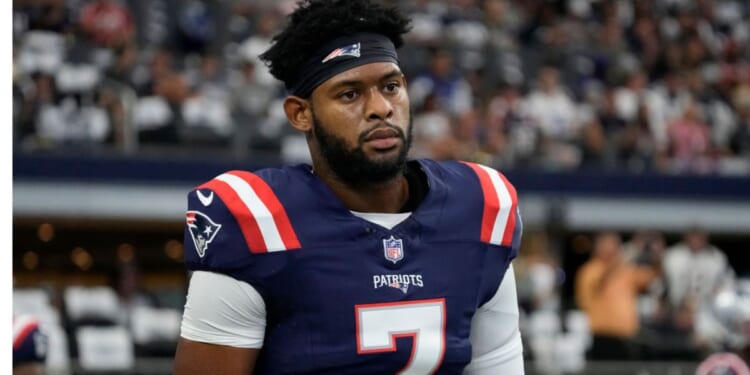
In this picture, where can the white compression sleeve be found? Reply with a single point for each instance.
(223, 311)
(495, 336)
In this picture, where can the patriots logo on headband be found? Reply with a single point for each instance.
(350, 50)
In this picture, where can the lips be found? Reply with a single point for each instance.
(382, 133)
(383, 138)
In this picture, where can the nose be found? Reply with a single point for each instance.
(377, 106)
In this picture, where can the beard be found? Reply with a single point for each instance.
(353, 166)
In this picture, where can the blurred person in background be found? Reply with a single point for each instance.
(443, 79)
(740, 139)
(554, 113)
(197, 30)
(29, 346)
(538, 275)
(107, 23)
(730, 309)
(433, 133)
(519, 134)
(607, 289)
(695, 271)
(690, 145)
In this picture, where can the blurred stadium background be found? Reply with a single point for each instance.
(608, 115)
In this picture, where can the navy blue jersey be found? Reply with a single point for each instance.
(344, 295)
(29, 342)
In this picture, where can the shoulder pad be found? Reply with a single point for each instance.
(500, 216)
(235, 214)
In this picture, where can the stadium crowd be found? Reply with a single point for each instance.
(641, 86)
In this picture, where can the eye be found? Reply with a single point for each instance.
(349, 95)
(392, 87)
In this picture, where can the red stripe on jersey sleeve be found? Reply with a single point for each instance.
(245, 219)
(18, 340)
(491, 202)
(269, 198)
(510, 227)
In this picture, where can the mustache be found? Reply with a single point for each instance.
(381, 125)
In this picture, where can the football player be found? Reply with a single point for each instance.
(364, 262)
(29, 346)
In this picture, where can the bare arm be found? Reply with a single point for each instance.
(195, 357)
(222, 327)
(36, 368)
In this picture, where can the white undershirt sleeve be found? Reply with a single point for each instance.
(223, 311)
(495, 336)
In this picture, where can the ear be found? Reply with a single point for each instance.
(299, 113)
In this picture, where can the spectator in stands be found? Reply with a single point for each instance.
(638, 148)
(160, 64)
(171, 91)
(108, 23)
(521, 136)
(690, 144)
(643, 38)
(123, 67)
(43, 15)
(715, 111)
(433, 135)
(250, 100)
(740, 139)
(445, 81)
(196, 28)
(207, 113)
(666, 101)
(607, 288)
(555, 114)
(695, 271)
(257, 43)
(673, 53)
(36, 93)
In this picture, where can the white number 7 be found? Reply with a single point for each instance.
(380, 324)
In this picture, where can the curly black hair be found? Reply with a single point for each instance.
(316, 22)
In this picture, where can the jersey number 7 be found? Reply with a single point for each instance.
(380, 324)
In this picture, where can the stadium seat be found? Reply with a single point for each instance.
(105, 349)
(92, 305)
(577, 324)
(58, 357)
(155, 330)
(30, 300)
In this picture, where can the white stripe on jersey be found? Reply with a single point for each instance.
(506, 202)
(268, 229)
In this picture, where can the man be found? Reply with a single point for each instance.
(29, 346)
(695, 272)
(730, 310)
(607, 288)
(364, 262)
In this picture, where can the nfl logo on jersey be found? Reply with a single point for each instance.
(393, 249)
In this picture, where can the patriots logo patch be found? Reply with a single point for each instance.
(350, 50)
(203, 230)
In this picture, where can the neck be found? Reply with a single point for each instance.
(385, 197)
